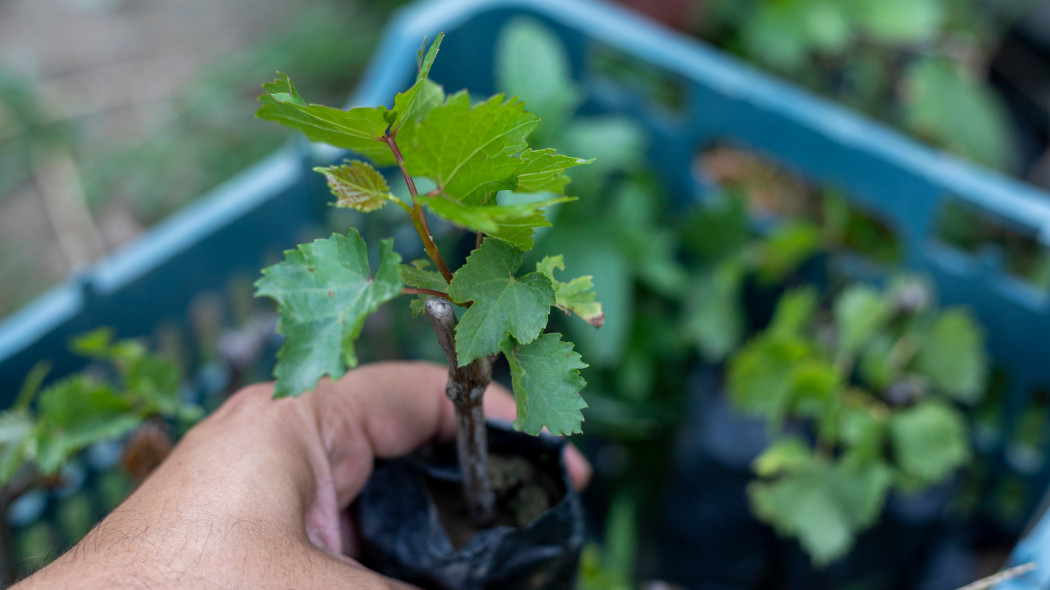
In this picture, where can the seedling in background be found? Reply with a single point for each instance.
(879, 380)
(44, 430)
(325, 289)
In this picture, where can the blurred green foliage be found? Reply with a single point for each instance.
(916, 64)
(878, 379)
(42, 431)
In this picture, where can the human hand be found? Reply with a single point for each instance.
(255, 496)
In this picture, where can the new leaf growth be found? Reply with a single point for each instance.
(470, 151)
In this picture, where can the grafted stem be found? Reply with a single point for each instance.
(466, 387)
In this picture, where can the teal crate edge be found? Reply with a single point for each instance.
(71, 301)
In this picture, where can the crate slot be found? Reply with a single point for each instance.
(1001, 246)
(665, 91)
(773, 192)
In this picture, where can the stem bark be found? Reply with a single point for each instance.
(466, 388)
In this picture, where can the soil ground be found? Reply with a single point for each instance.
(114, 113)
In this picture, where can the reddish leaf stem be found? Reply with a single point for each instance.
(421, 291)
(419, 219)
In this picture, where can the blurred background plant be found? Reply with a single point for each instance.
(128, 394)
(920, 65)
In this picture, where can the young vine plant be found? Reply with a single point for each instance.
(44, 430)
(865, 400)
(470, 152)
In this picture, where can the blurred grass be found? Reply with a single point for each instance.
(184, 144)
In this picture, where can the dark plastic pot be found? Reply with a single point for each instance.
(709, 540)
(404, 538)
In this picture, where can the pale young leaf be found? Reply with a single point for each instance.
(358, 186)
(577, 296)
(783, 455)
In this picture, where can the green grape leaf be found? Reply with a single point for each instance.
(860, 313)
(863, 487)
(76, 413)
(324, 291)
(714, 316)
(417, 275)
(101, 344)
(779, 34)
(956, 110)
(824, 507)
(900, 21)
(794, 312)
(544, 171)
(31, 385)
(784, 250)
(586, 246)
(576, 296)
(951, 355)
(761, 375)
(152, 385)
(150, 382)
(929, 441)
(431, 95)
(502, 305)
(357, 186)
(412, 104)
(361, 130)
(815, 387)
(531, 62)
(783, 455)
(16, 429)
(468, 152)
(615, 143)
(862, 433)
(876, 367)
(545, 375)
(511, 223)
(718, 230)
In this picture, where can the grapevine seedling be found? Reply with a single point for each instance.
(879, 379)
(325, 289)
(43, 430)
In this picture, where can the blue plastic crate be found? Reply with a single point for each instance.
(720, 101)
(902, 183)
